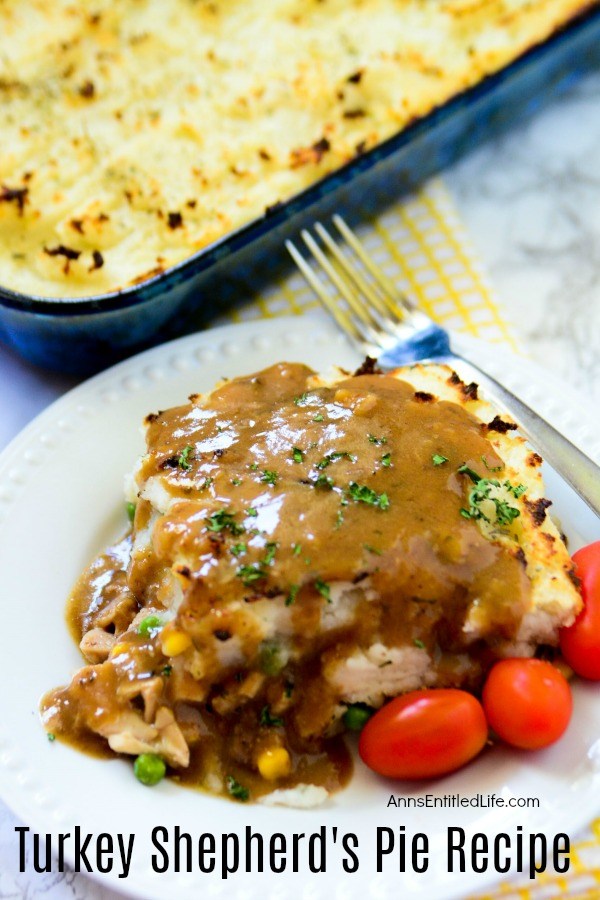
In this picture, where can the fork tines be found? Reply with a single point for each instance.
(364, 302)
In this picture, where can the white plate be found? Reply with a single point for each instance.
(61, 501)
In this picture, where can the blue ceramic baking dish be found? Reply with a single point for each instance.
(82, 335)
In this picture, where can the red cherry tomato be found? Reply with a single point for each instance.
(424, 734)
(527, 702)
(580, 643)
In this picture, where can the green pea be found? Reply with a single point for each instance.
(356, 717)
(149, 768)
(130, 507)
(149, 624)
(236, 789)
(270, 659)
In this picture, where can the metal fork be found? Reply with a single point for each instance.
(385, 325)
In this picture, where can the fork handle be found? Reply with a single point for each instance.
(575, 467)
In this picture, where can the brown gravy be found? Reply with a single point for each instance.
(276, 493)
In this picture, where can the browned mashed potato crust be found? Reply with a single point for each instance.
(304, 545)
(136, 133)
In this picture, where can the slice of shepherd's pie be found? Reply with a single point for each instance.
(301, 545)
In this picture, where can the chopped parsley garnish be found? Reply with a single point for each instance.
(130, 507)
(438, 460)
(361, 493)
(292, 594)
(386, 460)
(474, 476)
(51, 737)
(301, 400)
(237, 790)
(271, 548)
(517, 491)
(491, 468)
(183, 458)
(166, 671)
(250, 574)
(207, 482)
(236, 481)
(483, 490)
(319, 417)
(419, 644)
(378, 441)
(505, 513)
(269, 477)
(238, 549)
(323, 588)
(297, 549)
(324, 482)
(372, 549)
(331, 457)
(251, 511)
(150, 626)
(267, 719)
(223, 520)
(253, 467)
(297, 454)
(257, 571)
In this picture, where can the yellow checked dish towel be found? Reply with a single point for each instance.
(422, 245)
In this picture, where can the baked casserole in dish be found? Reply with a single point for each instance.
(136, 134)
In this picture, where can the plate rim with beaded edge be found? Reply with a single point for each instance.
(61, 499)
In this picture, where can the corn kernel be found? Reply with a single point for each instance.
(117, 649)
(274, 763)
(344, 397)
(175, 642)
(366, 404)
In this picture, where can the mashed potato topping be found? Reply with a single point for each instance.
(136, 133)
(302, 545)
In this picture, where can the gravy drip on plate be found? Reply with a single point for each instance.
(291, 525)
